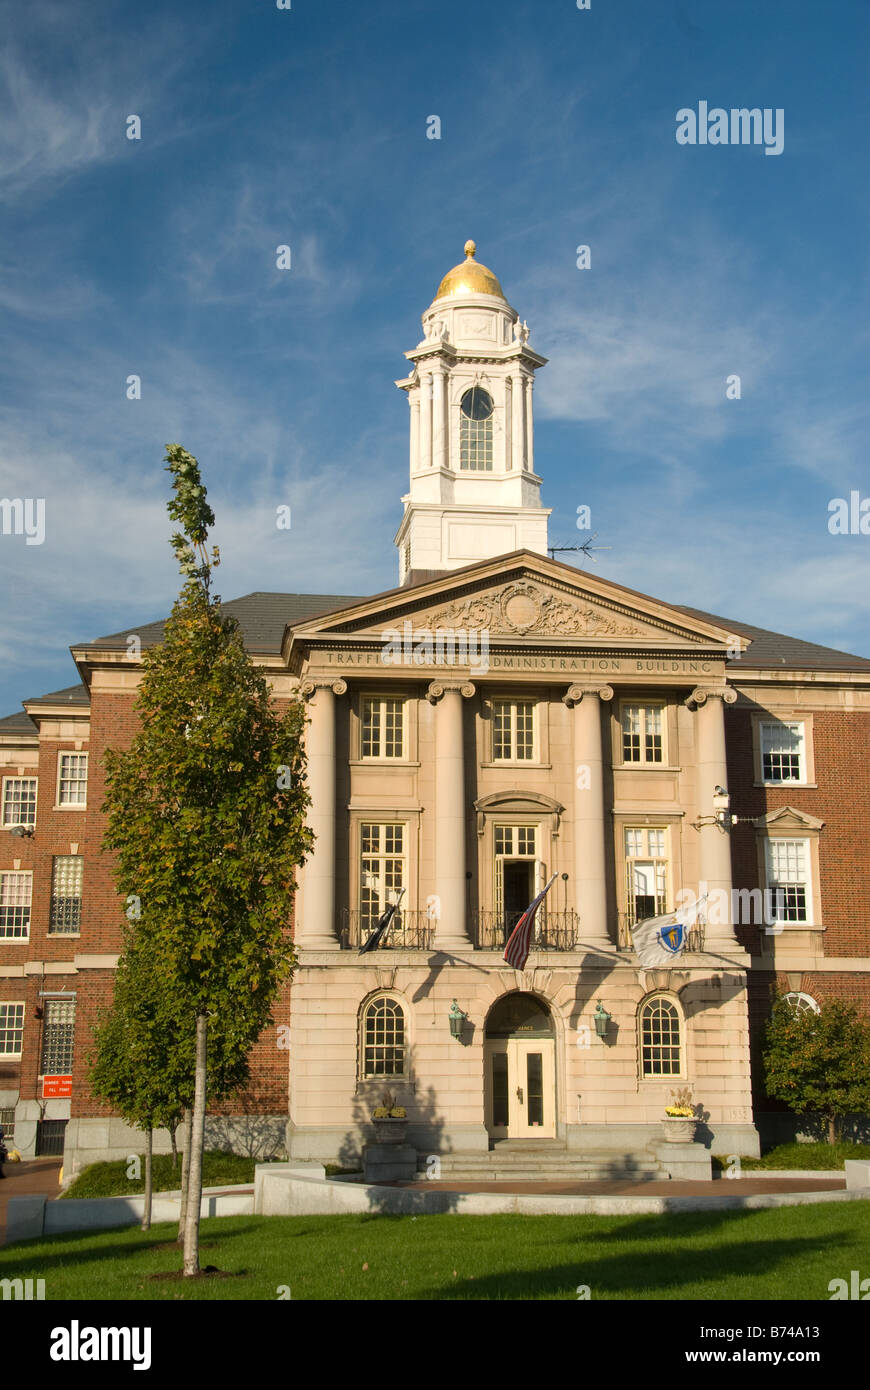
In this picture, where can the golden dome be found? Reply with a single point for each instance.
(470, 277)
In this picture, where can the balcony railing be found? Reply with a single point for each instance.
(694, 936)
(412, 929)
(554, 931)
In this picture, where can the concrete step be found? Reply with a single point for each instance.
(502, 1165)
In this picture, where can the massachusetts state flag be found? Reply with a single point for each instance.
(659, 940)
(516, 952)
(382, 927)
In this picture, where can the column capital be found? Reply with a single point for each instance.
(574, 694)
(309, 686)
(702, 693)
(436, 689)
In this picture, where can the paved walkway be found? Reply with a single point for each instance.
(733, 1187)
(36, 1177)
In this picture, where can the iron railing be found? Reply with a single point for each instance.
(554, 931)
(412, 929)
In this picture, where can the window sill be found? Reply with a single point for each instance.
(381, 763)
(780, 785)
(517, 763)
(646, 767)
(63, 935)
(71, 807)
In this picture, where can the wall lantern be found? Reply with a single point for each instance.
(602, 1018)
(23, 831)
(457, 1018)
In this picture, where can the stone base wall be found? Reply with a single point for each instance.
(103, 1141)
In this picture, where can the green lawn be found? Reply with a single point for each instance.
(785, 1253)
(799, 1156)
(110, 1179)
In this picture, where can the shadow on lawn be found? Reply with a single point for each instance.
(19, 1255)
(653, 1274)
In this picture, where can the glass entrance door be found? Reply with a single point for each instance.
(520, 1099)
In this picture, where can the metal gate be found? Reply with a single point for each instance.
(49, 1137)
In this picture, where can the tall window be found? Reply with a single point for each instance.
(19, 801)
(783, 753)
(642, 740)
(11, 1029)
(58, 1030)
(660, 1038)
(383, 727)
(646, 870)
(15, 894)
(382, 869)
(383, 1038)
(513, 730)
(803, 1003)
(72, 784)
(66, 894)
(475, 430)
(788, 879)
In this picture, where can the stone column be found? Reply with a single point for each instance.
(316, 929)
(415, 433)
(451, 930)
(425, 420)
(591, 820)
(714, 851)
(439, 427)
(530, 432)
(508, 425)
(519, 424)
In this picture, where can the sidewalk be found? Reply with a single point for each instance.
(34, 1177)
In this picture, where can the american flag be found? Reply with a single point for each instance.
(516, 952)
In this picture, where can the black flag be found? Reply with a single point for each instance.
(380, 930)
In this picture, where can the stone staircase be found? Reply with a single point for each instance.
(537, 1161)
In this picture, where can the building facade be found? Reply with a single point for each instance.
(498, 718)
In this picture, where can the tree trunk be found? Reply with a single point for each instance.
(173, 1131)
(185, 1172)
(832, 1129)
(194, 1186)
(149, 1149)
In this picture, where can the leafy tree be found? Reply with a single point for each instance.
(206, 812)
(819, 1062)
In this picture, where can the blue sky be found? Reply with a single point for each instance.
(307, 127)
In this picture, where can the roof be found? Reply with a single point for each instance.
(70, 695)
(772, 649)
(263, 618)
(20, 723)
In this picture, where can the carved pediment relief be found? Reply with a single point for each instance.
(788, 818)
(525, 609)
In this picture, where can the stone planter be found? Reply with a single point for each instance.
(679, 1129)
(390, 1130)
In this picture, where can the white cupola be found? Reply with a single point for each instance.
(474, 492)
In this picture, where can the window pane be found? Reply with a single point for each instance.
(660, 1034)
(66, 894)
(19, 801)
(57, 1037)
(782, 752)
(15, 894)
(384, 1039)
(11, 1029)
(499, 1088)
(73, 779)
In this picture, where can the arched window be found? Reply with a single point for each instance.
(475, 430)
(803, 1003)
(383, 1038)
(661, 1042)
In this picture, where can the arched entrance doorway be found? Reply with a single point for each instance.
(519, 1053)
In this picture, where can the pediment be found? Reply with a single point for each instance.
(789, 818)
(535, 600)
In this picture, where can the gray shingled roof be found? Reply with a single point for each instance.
(20, 723)
(771, 649)
(70, 695)
(262, 618)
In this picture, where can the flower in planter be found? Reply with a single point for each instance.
(681, 1104)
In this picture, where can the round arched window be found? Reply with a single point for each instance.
(383, 1038)
(660, 1038)
(475, 430)
(803, 1003)
(476, 404)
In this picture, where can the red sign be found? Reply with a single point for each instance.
(54, 1087)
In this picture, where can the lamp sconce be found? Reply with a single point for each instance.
(601, 1018)
(722, 808)
(457, 1019)
(20, 830)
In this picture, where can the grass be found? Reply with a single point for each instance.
(111, 1180)
(799, 1156)
(782, 1253)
